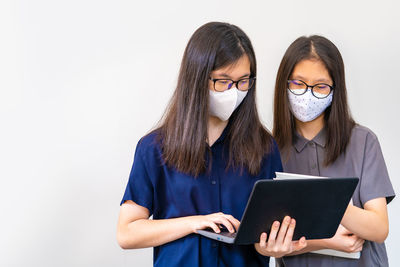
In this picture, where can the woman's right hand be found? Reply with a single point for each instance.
(136, 230)
(346, 241)
(214, 221)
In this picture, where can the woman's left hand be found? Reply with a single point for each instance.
(280, 244)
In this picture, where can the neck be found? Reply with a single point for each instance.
(215, 129)
(311, 128)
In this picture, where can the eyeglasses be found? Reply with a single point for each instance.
(221, 85)
(319, 90)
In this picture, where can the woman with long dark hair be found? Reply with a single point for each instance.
(317, 136)
(197, 169)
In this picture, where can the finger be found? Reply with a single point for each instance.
(283, 229)
(225, 222)
(353, 239)
(340, 228)
(213, 226)
(359, 240)
(300, 244)
(273, 233)
(359, 247)
(289, 234)
(235, 222)
(263, 240)
(344, 231)
(353, 242)
(359, 244)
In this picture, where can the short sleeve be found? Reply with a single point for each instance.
(374, 182)
(140, 188)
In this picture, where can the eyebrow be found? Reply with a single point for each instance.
(298, 77)
(224, 75)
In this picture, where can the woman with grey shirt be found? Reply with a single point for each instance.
(317, 136)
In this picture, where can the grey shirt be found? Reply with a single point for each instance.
(363, 158)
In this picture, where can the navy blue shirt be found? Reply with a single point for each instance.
(168, 193)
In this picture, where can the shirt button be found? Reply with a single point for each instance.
(311, 144)
(214, 245)
(213, 182)
(313, 166)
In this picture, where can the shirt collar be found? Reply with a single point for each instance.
(300, 142)
(222, 137)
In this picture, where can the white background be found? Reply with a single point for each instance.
(82, 80)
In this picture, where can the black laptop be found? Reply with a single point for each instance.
(317, 205)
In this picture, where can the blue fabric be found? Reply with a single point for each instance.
(167, 193)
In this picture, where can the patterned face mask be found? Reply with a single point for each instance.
(307, 107)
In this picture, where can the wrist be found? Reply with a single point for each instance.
(325, 243)
(317, 244)
(192, 222)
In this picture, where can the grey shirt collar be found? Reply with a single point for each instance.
(300, 142)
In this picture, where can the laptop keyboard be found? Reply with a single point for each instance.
(228, 234)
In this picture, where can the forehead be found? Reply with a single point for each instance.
(235, 70)
(311, 70)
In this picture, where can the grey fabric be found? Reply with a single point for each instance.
(363, 158)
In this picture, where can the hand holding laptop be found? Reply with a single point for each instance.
(276, 244)
(279, 241)
(345, 241)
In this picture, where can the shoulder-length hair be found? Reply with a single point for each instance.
(184, 127)
(338, 121)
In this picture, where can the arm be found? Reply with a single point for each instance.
(312, 245)
(370, 223)
(135, 230)
(343, 240)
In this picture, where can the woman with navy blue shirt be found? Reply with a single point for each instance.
(197, 169)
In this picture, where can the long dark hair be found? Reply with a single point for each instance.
(184, 127)
(338, 120)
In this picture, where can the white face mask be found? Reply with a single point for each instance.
(223, 104)
(307, 107)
